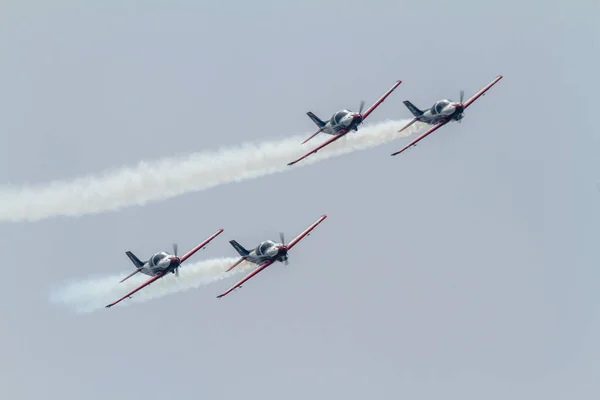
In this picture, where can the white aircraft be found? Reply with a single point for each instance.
(266, 254)
(342, 122)
(159, 265)
(441, 113)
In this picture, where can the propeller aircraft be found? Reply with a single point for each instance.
(266, 254)
(442, 112)
(159, 265)
(342, 122)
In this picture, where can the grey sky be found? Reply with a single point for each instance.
(466, 268)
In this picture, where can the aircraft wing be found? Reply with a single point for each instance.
(250, 275)
(306, 232)
(201, 245)
(381, 99)
(319, 147)
(422, 136)
(143, 285)
(481, 92)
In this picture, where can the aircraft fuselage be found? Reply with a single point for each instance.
(342, 122)
(267, 250)
(162, 262)
(442, 111)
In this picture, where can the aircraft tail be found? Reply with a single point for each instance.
(316, 119)
(136, 261)
(138, 265)
(413, 109)
(239, 248)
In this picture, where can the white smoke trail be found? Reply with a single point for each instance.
(175, 176)
(95, 293)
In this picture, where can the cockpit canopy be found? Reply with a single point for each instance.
(338, 116)
(439, 106)
(264, 247)
(157, 257)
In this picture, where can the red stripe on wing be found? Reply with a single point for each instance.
(201, 245)
(481, 92)
(427, 133)
(319, 147)
(143, 285)
(250, 275)
(381, 99)
(306, 232)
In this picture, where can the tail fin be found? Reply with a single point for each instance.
(239, 248)
(316, 119)
(413, 109)
(136, 261)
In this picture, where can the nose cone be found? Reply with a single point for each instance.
(282, 249)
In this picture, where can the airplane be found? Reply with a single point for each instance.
(342, 122)
(266, 254)
(159, 265)
(442, 112)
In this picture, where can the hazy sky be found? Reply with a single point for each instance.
(465, 268)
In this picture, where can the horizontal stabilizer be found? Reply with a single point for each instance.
(313, 135)
(130, 275)
(238, 262)
(409, 124)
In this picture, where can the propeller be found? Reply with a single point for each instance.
(462, 96)
(362, 105)
(175, 254)
(282, 240)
